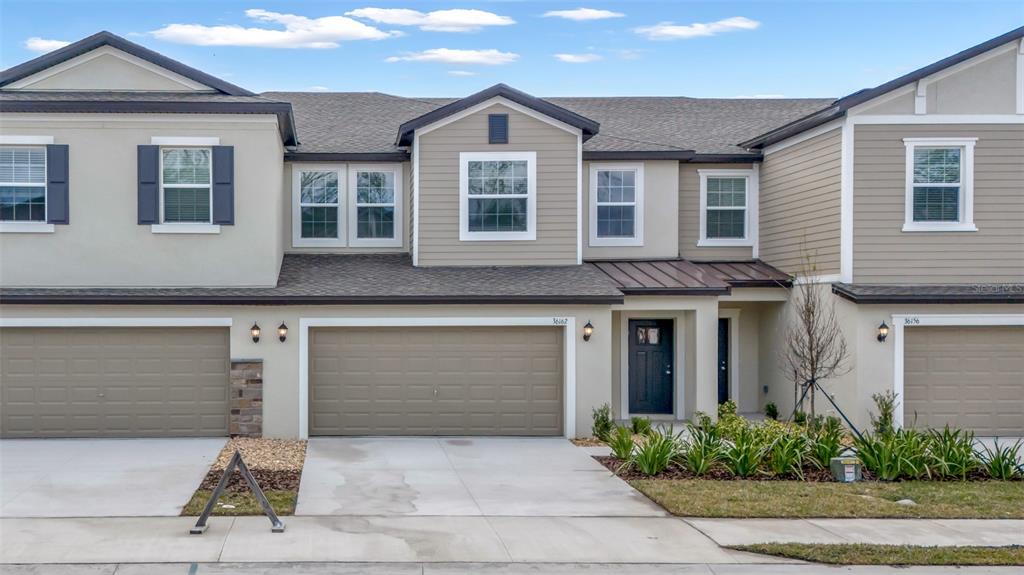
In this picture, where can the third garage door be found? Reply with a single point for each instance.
(970, 377)
(436, 381)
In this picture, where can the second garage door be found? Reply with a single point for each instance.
(969, 377)
(436, 381)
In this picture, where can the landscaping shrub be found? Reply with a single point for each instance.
(799, 418)
(641, 425)
(729, 422)
(745, 454)
(951, 453)
(885, 422)
(1002, 462)
(701, 451)
(901, 454)
(787, 452)
(621, 442)
(824, 444)
(603, 423)
(655, 452)
(771, 411)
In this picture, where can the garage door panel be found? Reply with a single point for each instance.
(488, 381)
(970, 377)
(114, 382)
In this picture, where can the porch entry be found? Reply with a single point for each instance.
(651, 366)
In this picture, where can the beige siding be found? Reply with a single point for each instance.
(109, 69)
(105, 246)
(689, 216)
(661, 225)
(557, 166)
(288, 198)
(800, 203)
(883, 253)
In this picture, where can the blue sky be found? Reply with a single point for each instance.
(428, 48)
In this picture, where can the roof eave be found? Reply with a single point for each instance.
(144, 299)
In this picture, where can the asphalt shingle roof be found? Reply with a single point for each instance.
(367, 122)
(937, 294)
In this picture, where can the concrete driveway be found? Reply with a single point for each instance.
(101, 477)
(539, 477)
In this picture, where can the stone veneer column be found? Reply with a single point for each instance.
(246, 402)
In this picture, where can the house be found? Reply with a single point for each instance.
(180, 256)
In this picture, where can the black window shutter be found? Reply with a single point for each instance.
(57, 208)
(497, 129)
(149, 185)
(224, 185)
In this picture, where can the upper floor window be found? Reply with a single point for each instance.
(728, 201)
(317, 206)
(338, 205)
(22, 184)
(940, 181)
(498, 197)
(375, 212)
(186, 185)
(616, 204)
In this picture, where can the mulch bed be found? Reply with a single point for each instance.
(275, 463)
(675, 471)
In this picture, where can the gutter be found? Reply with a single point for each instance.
(285, 300)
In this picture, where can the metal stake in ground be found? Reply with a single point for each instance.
(236, 462)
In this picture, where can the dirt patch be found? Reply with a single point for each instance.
(275, 463)
(587, 442)
(675, 471)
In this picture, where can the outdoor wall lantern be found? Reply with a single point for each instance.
(255, 331)
(883, 332)
(282, 332)
(588, 330)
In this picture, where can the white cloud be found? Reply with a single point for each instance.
(578, 58)
(299, 32)
(458, 20)
(489, 57)
(461, 73)
(37, 44)
(671, 31)
(318, 89)
(581, 14)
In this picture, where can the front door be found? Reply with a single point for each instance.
(651, 360)
(723, 360)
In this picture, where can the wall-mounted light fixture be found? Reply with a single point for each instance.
(282, 332)
(255, 331)
(588, 330)
(883, 332)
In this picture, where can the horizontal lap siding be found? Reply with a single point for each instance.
(885, 254)
(800, 205)
(557, 166)
(689, 216)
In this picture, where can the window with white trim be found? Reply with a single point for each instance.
(616, 204)
(727, 207)
(318, 204)
(940, 178)
(186, 185)
(375, 205)
(22, 184)
(498, 196)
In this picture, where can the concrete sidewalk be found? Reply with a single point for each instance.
(927, 532)
(486, 569)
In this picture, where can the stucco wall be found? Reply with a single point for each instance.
(105, 246)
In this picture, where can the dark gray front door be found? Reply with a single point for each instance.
(650, 366)
(723, 360)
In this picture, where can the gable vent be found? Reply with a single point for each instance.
(497, 129)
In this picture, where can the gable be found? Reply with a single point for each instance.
(107, 69)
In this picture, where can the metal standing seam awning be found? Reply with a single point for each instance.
(685, 277)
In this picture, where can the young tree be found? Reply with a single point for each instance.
(814, 347)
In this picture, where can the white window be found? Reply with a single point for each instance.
(318, 193)
(186, 185)
(375, 205)
(728, 207)
(616, 204)
(939, 185)
(23, 184)
(498, 196)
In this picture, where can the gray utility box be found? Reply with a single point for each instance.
(845, 469)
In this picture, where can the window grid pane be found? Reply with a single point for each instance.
(936, 165)
(615, 221)
(499, 192)
(187, 205)
(22, 204)
(319, 222)
(497, 215)
(22, 165)
(726, 224)
(936, 204)
(616, 203)
(375, 205)
(186, 166)
(375, 222)
(318, 188)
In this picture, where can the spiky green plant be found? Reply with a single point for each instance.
(621, 443)
(1003, 462)
(702, 450)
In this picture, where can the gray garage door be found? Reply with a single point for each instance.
(114, 382)
(436, 381)
(970, 377)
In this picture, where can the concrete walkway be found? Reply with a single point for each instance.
(486, 569)
(928, 532)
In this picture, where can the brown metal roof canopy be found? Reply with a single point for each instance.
(685, 277)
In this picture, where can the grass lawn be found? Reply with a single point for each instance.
(891, 554)
(245, 503)
(792, 499)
